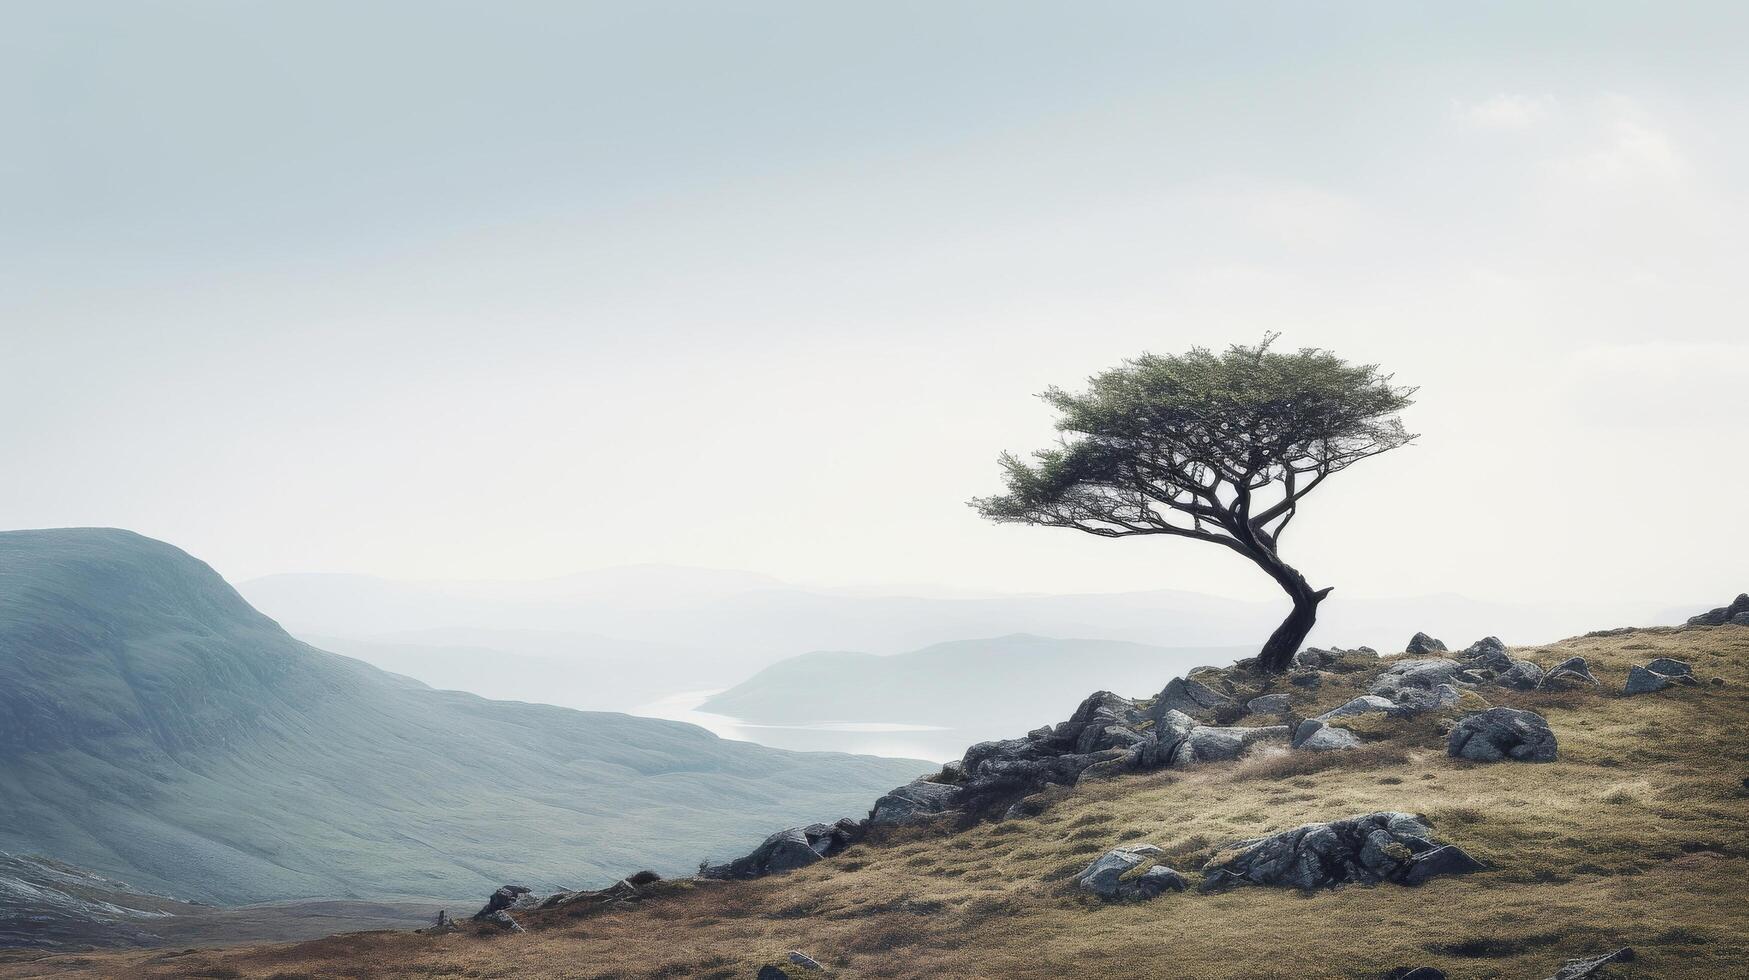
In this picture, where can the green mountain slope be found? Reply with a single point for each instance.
(155, 727)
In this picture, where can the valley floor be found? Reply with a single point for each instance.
(1637, 836)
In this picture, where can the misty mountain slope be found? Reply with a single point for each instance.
(575, 670)
(711, 629)
(155, 727)
(996, 686)
(46, 904)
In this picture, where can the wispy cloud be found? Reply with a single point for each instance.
(1632, 148)
(1505, 110)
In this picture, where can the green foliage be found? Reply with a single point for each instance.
(1202, 434)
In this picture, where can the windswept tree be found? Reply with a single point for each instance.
(1213, 447)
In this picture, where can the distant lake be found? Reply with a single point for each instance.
(895, 740)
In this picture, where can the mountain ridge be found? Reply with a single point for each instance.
(160, 730)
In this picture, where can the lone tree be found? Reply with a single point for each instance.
(1213, 447)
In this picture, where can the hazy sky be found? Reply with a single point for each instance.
(436, 289)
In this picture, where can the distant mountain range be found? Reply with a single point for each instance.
(618, 638)
(993, 688)
(157, 729)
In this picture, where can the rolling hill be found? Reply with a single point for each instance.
(1632, 837)
(987, 688)
(156, 728)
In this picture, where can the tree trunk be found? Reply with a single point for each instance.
(1278, 653)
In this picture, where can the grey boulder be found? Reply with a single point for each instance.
(1414, 700)
(917, 800)
(1190, 696)
(1489, 653)
(1207, 743)
(1111, 877)
(1737, 612)
(1315, 736)
(1376, 847)
(1268, 704)
(1573, 672)
(1363, 705)
(788, 850)
(1658, 675)
(507, 897)
(1423, 673)
(1421, 645)
(1521, 676)
(1502, 733)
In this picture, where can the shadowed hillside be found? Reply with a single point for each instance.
(155, 728)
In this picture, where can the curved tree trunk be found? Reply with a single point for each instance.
(1278, 653)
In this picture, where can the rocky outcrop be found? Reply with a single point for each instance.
(1592, 966)
(1521, 676)
(627, 889)
(1129, 872)
(1191, 697)
(788, 850)
(1364, 705)
(1502, 733)
(1737, 612)
(1658, 675)
(1425, 674)
(1414, 700)
(507, 897)
(1573, 672)
(1268, 704)
(1488, 653)
(1421, 645)
(1335, 657)
(1316, 736)
(1106, 734)
(1207, 743)
(1306, 678)
(1109, 734)
(501, 919)
(1487, 660)
(916, 800)
(1376, 847)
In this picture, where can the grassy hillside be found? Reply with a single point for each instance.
(155, 728)
(1638, 835)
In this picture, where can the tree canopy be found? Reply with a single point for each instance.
(1218, 447)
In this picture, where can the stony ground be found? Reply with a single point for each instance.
(1637, 835)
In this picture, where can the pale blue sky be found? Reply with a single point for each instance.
(513, 289)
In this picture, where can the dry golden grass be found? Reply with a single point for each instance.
(1638, 836)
